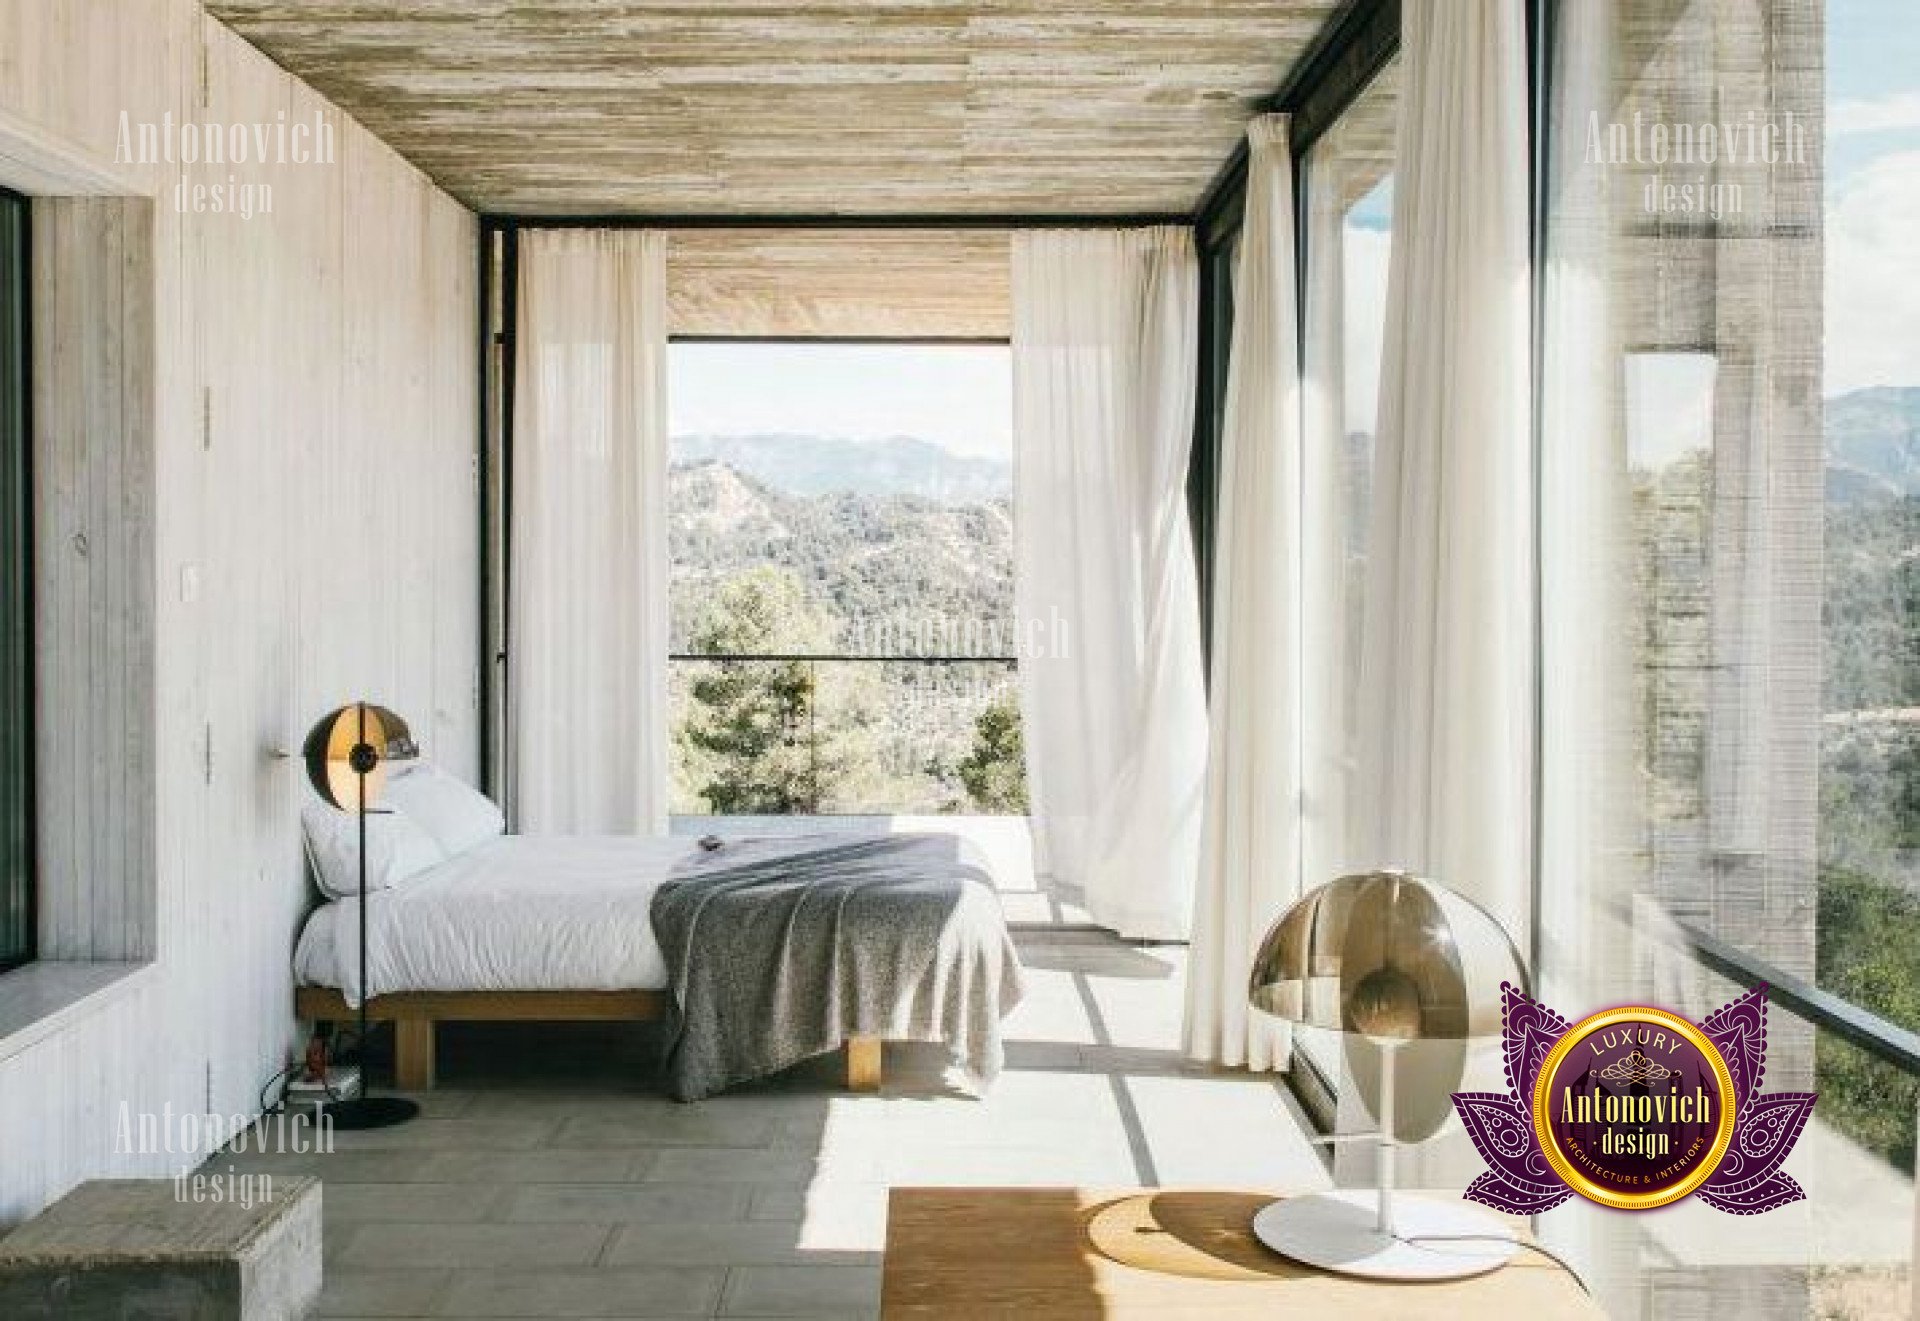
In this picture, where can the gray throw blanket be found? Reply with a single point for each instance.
(779, 950)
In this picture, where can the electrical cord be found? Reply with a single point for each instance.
(1528, 1244)
(280, 1081)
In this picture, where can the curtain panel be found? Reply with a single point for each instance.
(587, 700)
(1443, 751)
(1104, 346)
(1250, 837)
(1446, 664)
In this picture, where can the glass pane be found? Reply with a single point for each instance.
(1349, 198)
(1868, 919)
(846, 737)
(845, 513)
(866, 487)
(1730, 607)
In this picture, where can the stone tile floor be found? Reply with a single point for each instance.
(547, 1178)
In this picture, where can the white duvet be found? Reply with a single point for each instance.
(518, 913)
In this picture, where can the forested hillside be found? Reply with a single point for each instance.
(894, 574)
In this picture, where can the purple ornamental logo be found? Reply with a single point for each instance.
(1634, 1108)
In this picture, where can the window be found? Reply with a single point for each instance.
(16, 619)
(1347, 189)
(1867, 937)
(842, 528)
(1730, 560)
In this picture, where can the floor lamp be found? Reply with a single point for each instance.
(1394, 959)
(346, 755)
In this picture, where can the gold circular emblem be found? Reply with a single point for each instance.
(1587, 1172)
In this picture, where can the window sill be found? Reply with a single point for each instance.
(40, 999)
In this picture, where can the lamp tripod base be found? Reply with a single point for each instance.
(369, 1112)
(1340, 1232)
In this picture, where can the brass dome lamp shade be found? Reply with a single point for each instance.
(348, 751)
(346, 755)
(1389, 960)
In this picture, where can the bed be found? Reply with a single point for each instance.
(484, 926)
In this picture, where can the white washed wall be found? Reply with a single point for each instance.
(316, 420)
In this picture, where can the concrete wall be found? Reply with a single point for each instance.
(287, 491)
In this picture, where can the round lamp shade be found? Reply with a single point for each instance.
(348, 752)
(1394, 962)
(1389, 956)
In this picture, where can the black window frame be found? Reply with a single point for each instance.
(1358, 40)
(18, 870)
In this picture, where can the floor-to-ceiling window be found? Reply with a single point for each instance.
(842, 529)
(16, 621)
(1867, 936)
(1730, 532)
(1347, 192)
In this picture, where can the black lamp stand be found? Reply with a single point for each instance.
(365, 1111)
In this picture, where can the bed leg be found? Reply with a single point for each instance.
(413, 1054)
(863, 1064)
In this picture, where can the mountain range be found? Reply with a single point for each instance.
(876, 565)
(1873, 444)
(806, 465)
(1872, 435)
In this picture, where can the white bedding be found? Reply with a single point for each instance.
(519, 913)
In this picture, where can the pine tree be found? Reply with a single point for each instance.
(994, 770)
(760, 741)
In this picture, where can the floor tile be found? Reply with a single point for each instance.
(432, 1203)
(651, 1127)
(423, 1246)
(330, 1167)
(512, 1169)
(399, 1293)
(631, 1203)
(757, 1243)
(835, 1291)
(595, 1293)
(728, 1165)
(451, 1134)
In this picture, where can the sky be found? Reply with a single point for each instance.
(1873, 194)
(957, 396)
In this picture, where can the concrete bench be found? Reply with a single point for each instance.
(126, 1248)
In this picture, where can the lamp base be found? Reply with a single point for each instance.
(370, 1112)
(1339, 1231)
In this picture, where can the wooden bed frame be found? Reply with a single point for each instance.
(413, 1015)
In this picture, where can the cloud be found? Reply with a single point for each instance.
(1877, 115)
(1872, 299)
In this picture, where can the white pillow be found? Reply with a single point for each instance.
(458, 817)
(397, 849)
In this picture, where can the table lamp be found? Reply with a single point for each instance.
(346, 756)
(1395, 959)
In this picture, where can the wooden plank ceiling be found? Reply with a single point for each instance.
(804, 106)
(890, 283)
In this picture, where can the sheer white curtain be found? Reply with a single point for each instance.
(1446, 655)
(588, 643)
(1591, 852)
(1250, 841)
(1104, 342)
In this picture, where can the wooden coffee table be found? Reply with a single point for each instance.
(1073, 1253)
